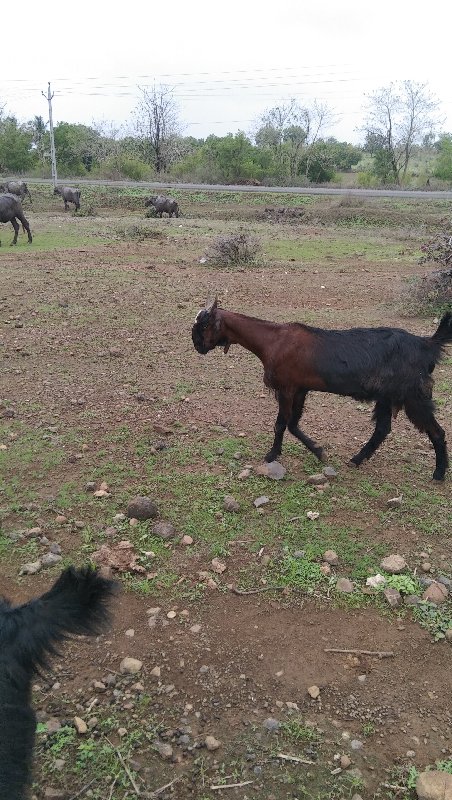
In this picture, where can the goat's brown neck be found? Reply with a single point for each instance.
(252, 334)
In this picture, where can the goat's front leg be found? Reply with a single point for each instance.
(285, 406)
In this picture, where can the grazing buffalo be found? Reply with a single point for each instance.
(162, 204)
(11, 211)
(69, 195)
(18, 188)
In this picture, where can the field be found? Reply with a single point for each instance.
(100, 383)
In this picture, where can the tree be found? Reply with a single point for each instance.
(227, 159)
(15, 146)
(400, 116)
(443, 168)
(289, 130)
(326, 157)
(38, 129)
(78, 148)
(157, 123)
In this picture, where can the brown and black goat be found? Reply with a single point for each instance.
(389, 366)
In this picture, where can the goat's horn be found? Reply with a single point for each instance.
(210, 304)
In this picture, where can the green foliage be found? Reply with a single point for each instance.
(227, 159)
(404, 584)
(436, 619)
(298, 573)
(382, 166)
(443, 167)
(295, 731)
(16, 155)
(77, 148)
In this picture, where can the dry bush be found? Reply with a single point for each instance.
(438, 250)
(137, 233)
(234, 249)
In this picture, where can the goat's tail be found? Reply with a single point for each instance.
(444, 333)
(77, 603)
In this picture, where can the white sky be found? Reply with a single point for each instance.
(227, 61)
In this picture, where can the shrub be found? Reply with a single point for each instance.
(138, 233)
(235, 249)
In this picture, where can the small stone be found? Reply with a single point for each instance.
(54, 794)
(80, 725)
(101, 493)
(435, 593)
(271, 724)
(122, 732)
(312, 515)
(60, 519)
(186, 540)
(356, 744)
(317, 479)
(434, 785)
(393, 564)
(119, 518)
(164, 750)
(90, 486)
(265, 560)
(31, 568)
(411, 600)
(447, 582)
(110, 531)
(153, 612)
(34, 532)
(230, 503)
(426, 566)
(273, 470)
(245, 473)
(55, 548)
(331, 557)
(393, 597)
(99, 686)
(218, 566)
(130, 633)
(345, 585)
(130, 666)
(156, 672)
(171, 614)
(195, 628)
(142, 508)
(49, 559)
(53, 725)
(59, 763)
(261, 501)
(345, 761)
(448, 634)
(374, 581)
(164, 530)
(325, 569)
(314, 692)
(212, 743)
(394, 502)
(329, 472)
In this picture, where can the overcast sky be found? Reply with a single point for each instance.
(227, 62)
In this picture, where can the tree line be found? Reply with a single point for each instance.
(288, 144)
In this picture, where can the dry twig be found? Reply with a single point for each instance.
(294, 758)
(260, 589)
(379, 653)
(231, 785)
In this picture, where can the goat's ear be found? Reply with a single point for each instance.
(211, 305)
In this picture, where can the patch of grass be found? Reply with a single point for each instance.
(297, 573)
(295, 731)
(436, 619)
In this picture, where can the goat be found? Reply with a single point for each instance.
(163, 204)
(387, 365)
(77, 603)
(18, 188)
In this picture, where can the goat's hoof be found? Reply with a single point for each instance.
(354, 462)
(438, 476)
(271, 457)
(321, 455)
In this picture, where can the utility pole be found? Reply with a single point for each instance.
(49, 98)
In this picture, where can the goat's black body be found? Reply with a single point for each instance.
(374, 363)
(389, 366)
(76, 604)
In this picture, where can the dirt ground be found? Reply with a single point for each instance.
(100, 382)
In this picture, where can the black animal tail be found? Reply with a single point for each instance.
(77, 603)
(444, 333)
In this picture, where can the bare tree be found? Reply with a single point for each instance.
(157, 124)
(290, 129)
(399, 117)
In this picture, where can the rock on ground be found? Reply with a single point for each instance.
(435, 593)
(273, 470)
(344, 585)
(434, 785)
(130, 666)
(142, 508)
(393, 564)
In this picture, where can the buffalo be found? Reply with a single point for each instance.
(162, 204)
(69, 195)
(11, 211)
(18, 188)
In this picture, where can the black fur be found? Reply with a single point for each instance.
(77, 603)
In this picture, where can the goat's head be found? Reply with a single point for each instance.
(150, 201)
(207, 332)
(57, 190)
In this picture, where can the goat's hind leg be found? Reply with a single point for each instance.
(16, 227)
(421, 415)
(285, 405)
(382, 418)
(297, 410)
